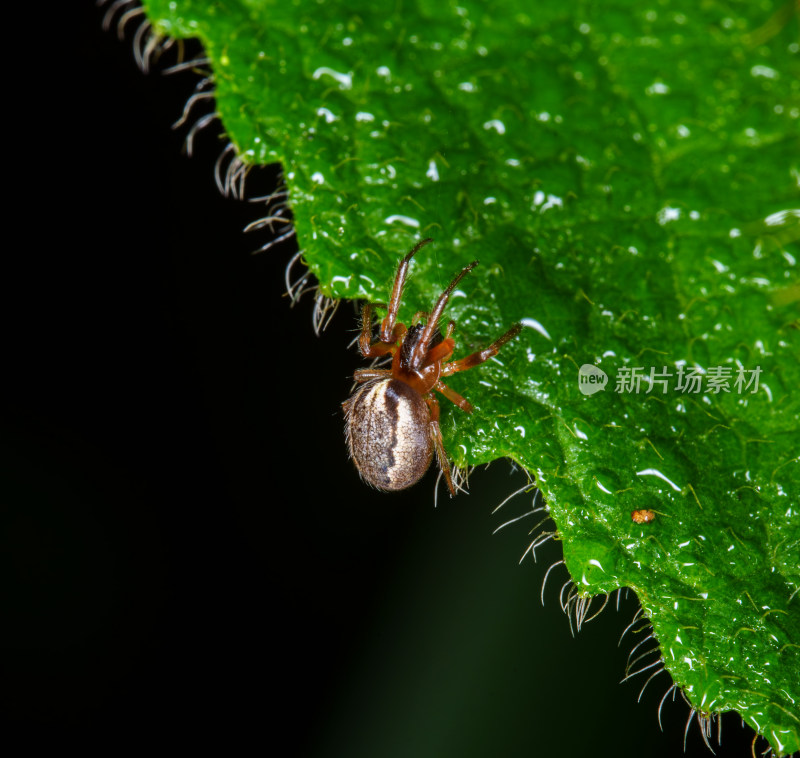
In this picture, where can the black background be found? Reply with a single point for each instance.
(187, 554)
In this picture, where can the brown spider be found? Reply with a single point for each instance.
(392, 418)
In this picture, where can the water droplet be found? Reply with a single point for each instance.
(656, 472)
(407, 220)
(667, 214)
(658, 88)
(765, 71)
(495, 124)
(782, 217)
(600, 486)
(432, 173)
(534, 324)
(345, 80)
(545, 202)
(329, 117)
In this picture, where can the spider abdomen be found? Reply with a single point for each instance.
(388, 429)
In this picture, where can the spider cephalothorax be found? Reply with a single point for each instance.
(392, 418)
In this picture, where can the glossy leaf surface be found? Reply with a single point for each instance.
(627, 174)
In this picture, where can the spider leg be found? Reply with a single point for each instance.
(418, 356)
(388, 324)
(440, 352)
(462, 364)
(419, 315)
(454, 397)
(365, 338)
(365, 374)
(371, 349)
(436, 435)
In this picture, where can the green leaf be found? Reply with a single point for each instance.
(628, 177)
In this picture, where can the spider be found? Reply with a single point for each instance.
(392, 418)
